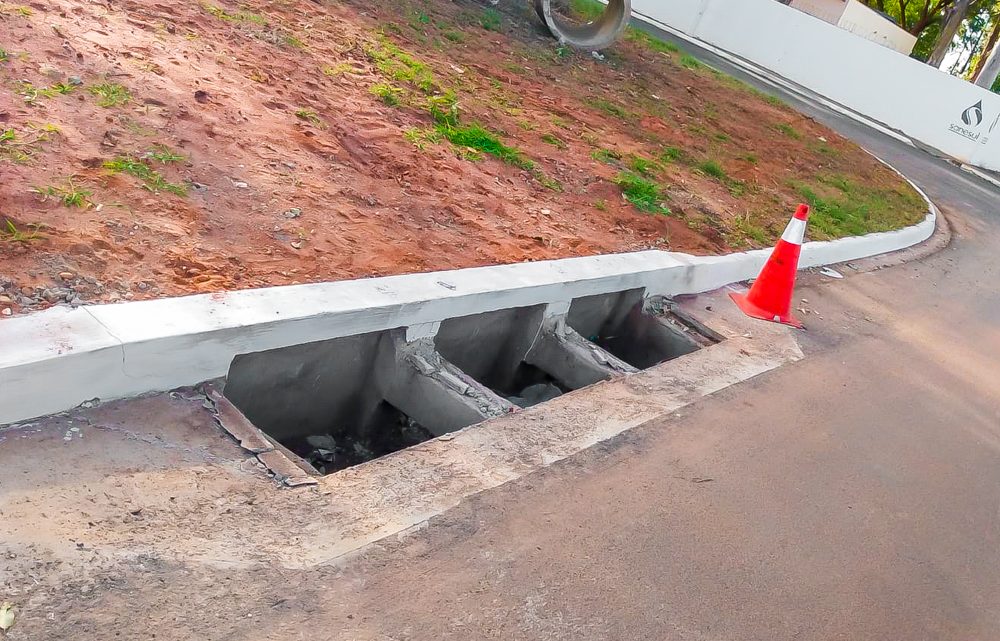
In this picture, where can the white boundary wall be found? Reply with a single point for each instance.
(924, 103)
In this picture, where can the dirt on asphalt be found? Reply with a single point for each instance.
(152, 148)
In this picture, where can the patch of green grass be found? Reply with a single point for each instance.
(491, 20)
(672, 154)
(151, 179)
(164, 155)
(421, 138)
(586, 10)
(110, 94)
(291, 41)
(398, 65)
(712, 169)
(601, 205)
(444, 109)
(607, 156)
(788, 130)
(9, 233)
(339, 69)
(236, 16)
(644, 195)
(842, 207)
(452, 35)
(549, 139)
(12, 149)
(387, 93)
(475, 140)
(642, 166)
(649, 42)
(750, 158)
(609, 108)
(690, 62)
(549, 183)
(4, 56)
(722, 136)
(744, 232)
(69, 196)
(309, 116)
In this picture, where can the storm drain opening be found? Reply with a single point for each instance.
(641, 332)
(346, 401)
(492, 348)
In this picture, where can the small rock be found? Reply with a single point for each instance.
(142, 287)
(6, 299)
(597, 55)
(201, 96)
(28, 291)
(7, 311)
(289, 164)
(110, 139)
(294, 212)
(76, 301)
(831, 273)
(66, 275)
(297, 244)
(239, 184)
(76, 81)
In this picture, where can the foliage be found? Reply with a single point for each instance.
(644, 194)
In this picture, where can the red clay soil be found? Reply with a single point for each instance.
(288, 168)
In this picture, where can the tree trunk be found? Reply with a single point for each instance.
(991, 44)
(991, 69)
(953, 18)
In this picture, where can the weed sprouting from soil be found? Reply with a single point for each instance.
(607, 156)
(151, 179)
(609, 108)
(398, 65)
(642, 166)
(164, 155)
(478, 140)
(672, 154)
(309, 116)
(690, 62)
(712, 169)
(9, 233)
(644, 195)
(110, 94)
(491, 20)
(238, 16)
(389, 94)
(655, 45)
(788, 130)
(556, 142)
(4, 56)
(70, 195)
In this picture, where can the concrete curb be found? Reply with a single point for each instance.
(55, 360)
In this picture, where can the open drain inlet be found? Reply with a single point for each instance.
(345, 401)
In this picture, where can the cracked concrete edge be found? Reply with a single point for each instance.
(54, 360)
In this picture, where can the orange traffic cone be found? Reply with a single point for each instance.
(770, 298)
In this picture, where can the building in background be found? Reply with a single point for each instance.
(855, 17)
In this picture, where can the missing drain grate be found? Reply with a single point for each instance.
(391, 431)
(643, 333)
(492, 348)
(345, 401)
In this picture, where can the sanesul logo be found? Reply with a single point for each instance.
(973, 116)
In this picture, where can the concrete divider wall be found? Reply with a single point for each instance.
(924, 103)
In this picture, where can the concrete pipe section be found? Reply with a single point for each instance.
(597, 34)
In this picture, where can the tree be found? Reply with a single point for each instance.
(951, 22)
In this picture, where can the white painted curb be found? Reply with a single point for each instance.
(55, 360)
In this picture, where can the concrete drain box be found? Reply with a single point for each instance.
(345, 401)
